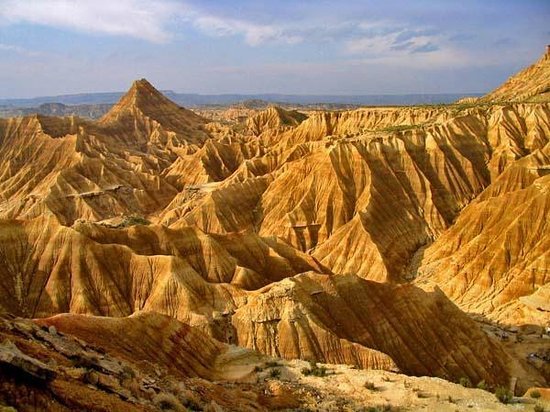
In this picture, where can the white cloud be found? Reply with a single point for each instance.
(152, 20)
(144, 19)
(254, 34)
(381, 40)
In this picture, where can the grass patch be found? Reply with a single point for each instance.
(275, 373)
(481, 385)
(370, 386)
(504, 395)
(465, 381)
(314, 370)
(535, 394)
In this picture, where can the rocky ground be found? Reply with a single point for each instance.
(42, 368)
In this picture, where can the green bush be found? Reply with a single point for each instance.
(168, 402)
(132, 220)
(466, 382)
(314, 370)
(504, 395)
(535, 394)
(275, 373)
(481, 385)
(370, 386)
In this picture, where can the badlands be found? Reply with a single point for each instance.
(376, 259)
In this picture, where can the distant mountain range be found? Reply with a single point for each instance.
(193, 100)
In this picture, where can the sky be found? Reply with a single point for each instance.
(342, 47)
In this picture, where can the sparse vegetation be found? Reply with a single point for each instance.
(482, 385)
(127, 372)
(314, 370)
(539, 408)
(466, 382)
(168, 402)
(383, 408)
(535, 394)
(370, 386)
(272, 364)
(133, 220)
(400, 128)
(258, 369)
(504, 395)
(275, 373)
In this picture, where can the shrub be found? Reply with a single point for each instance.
(272, 364)
(275, 373)
(383, 408)
(132, 220)
(481, 385)
(370, 386)
(539, 408)
(466, 382)
(167, 402)
(314, 370)
(127, 373)
(535, 394)
(503, 394)
(258, 369)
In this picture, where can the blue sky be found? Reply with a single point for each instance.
(50, 47)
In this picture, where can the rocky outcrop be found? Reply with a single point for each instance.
(496, 255)
(345, 319)
(274, 119)
(49, 269)
(532, 83)
(147, 362)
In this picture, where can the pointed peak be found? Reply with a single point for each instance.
(146, 92)
(143, 99)
(142, 85)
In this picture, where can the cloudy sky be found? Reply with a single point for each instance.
(50, 47)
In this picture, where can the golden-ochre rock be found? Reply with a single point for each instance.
(48, 269)
(532, 83)
(274, 118)
(343, 237)
(495, 260)
(345, 319)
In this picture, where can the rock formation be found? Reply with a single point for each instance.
(337, 236)
(532, 83)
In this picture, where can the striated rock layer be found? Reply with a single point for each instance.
(335, 319)
(200, 279)
(495, 259)
(286, 234)
(532, 83)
